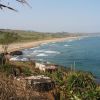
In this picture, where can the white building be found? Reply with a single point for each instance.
(45, 67)
(40, 66)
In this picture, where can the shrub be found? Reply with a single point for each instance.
(81, 86)
(26, 71)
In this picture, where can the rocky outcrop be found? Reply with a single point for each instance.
(38, 83)
(42, 86)
(16, 53)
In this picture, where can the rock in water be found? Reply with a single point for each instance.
(16, 53)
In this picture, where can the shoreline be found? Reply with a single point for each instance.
(25, 45)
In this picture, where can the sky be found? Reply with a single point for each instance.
(53, 16)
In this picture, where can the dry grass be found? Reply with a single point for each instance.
(11, 89)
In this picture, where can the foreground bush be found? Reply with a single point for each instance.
(82, 87)
(75, 85)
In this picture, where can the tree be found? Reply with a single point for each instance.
(11, 8)
(6, 40)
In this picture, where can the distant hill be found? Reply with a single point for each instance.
(33, 35)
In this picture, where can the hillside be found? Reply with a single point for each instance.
(34, 36)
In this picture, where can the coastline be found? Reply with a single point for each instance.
(25, 45)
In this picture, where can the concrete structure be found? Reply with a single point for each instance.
(39, 83)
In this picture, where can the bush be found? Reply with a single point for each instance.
(26, 71)
(6, 68)
(82, 86)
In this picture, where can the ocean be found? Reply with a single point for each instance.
(83, 53)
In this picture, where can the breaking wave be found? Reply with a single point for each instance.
(66, 45)
(18, 59)
(46, 51)
(42, 55)
(54, 52)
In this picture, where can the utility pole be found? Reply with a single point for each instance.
(74, 66)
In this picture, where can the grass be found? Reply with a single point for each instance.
(16, 70)
(11, 89)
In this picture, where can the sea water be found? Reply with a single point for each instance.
(83, 52)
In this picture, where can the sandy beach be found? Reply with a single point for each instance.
(24, 45)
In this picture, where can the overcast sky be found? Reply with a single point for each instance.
(53, 16)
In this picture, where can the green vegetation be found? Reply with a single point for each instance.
(73, 85)
(6, 69)
(27, 71)
(34, 36)
(7, 39)
(82, 87)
